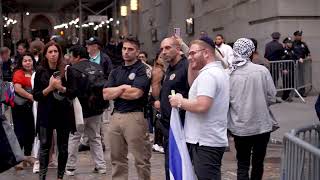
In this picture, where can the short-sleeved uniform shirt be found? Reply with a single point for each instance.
(136, 76)
(301, 49)
(176, 78)
(209, 128)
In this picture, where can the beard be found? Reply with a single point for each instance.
(218, 44)
(198, 64)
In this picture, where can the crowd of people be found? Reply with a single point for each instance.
(219, 90)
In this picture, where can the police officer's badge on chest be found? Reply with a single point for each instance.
(132, 76)
(172, 76)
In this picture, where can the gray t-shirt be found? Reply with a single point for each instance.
(210, 128)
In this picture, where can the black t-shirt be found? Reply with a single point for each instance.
(136, 76)
(176, 78)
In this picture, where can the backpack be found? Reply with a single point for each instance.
(7, 93)
(95, 104)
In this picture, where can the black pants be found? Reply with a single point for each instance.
(148, 114)
(206, 161)
(251, 148)
(45, 137)
(24, 127)
(158, 135)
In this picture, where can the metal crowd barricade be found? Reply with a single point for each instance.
(304, 74)
(301, 154)
(291, 75)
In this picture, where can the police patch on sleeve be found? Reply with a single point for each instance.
(132, 76)
(148, 72)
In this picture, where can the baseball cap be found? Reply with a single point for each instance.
(93, 40)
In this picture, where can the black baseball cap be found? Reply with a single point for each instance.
(93, 40)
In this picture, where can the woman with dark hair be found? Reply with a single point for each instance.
(53, 109)
(22, 111)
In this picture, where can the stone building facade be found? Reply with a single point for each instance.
(232, 18)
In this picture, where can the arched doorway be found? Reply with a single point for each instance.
(41, 27)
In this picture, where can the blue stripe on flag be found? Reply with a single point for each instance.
(174, 157)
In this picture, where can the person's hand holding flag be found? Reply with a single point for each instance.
(180, 165)
(175, 99)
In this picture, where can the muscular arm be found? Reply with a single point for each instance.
(199, 105)
(112, 92)
(131, 93)
(157, 75)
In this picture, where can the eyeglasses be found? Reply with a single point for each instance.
(192, 53)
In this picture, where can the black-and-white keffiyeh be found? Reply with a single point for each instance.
(242, 50)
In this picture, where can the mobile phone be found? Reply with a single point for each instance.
(56, 74)
(177, 32)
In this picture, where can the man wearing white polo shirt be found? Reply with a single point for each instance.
(207, 107)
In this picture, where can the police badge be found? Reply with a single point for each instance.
(172, 76)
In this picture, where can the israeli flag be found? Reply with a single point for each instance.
(180, 165)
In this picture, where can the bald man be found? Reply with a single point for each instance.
(175, 78)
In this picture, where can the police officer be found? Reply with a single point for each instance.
(274, 49)
(128, 86)
(288, 68)
(300, 47)
(288, 53)
(175, 78)
(274, 52)
(302, 51)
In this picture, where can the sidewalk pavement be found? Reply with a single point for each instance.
(289, 115)
(294, 114)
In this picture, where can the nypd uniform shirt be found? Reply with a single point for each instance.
(176, 78)
(301, 49)
(136, 76)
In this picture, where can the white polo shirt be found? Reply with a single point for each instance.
(210, 128)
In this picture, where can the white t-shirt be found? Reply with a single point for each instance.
(210, 128)
(227, 53)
